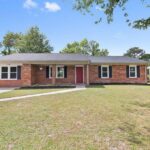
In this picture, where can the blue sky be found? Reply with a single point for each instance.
(62, 24)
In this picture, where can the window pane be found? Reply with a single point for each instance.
(4, 69)
(104, 69)
(13, 75)
(60, 72)
(4, 75)
(132, 74)
(132, 68)
(105, 74)
(133, 71)
(13, 69)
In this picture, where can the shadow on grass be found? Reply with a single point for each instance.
(95, 86)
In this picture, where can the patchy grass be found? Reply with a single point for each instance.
(99, 118)
(23, 92)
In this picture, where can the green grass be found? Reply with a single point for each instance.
(23, 92)
(99, 118)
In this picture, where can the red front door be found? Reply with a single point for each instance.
(79, 75)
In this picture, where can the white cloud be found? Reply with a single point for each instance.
(30, 4)
(52, 6)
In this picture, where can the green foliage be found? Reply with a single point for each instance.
(94, 49)
(142, 24)
(9, 42)
(135, 52)
(85, 47)
(33, 42)
(76, 47)
(146, 57)
(108, 7)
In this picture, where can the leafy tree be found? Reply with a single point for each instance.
(9, 42)
(103, 52)
(33, 42)
(76, 47)
(85, 47)
(135, 52)
(109, 6)
(146, 57)
(94, 49)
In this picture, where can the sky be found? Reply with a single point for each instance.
(62, 24)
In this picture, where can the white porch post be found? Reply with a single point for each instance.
(87, 74)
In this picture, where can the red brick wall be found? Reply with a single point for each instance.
(10, 83)
(25, 78)
(70, 76)
(31, 74)
(26, 75)
(118, 75)
(39, 76)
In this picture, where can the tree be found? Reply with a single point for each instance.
(146, 57)
(33, 42)
(76, 47)
(135, 52)
(94, 49)
(85, 47)
(109, 6)
(9, 42)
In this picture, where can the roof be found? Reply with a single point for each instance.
(116, 59)
(57, 57)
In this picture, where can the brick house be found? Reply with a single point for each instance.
(36, 68)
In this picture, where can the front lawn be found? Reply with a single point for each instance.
(100, 118)
(23, 92)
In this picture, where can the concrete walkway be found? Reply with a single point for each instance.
(3, 90)
(43, 94)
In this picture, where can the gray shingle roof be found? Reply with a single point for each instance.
(45, 57)
(115, 59)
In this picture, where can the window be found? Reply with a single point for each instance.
(8, 72)
(132, 71)
(105, 71)
(60, 72)
(13, 72)
(4, 72)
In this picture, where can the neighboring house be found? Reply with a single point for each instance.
(40, 68)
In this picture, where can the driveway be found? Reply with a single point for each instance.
(3, 90)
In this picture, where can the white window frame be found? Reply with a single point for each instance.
(135, 71)
(106, 66)
(8, 72)
(57, 71)
(50, 67)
